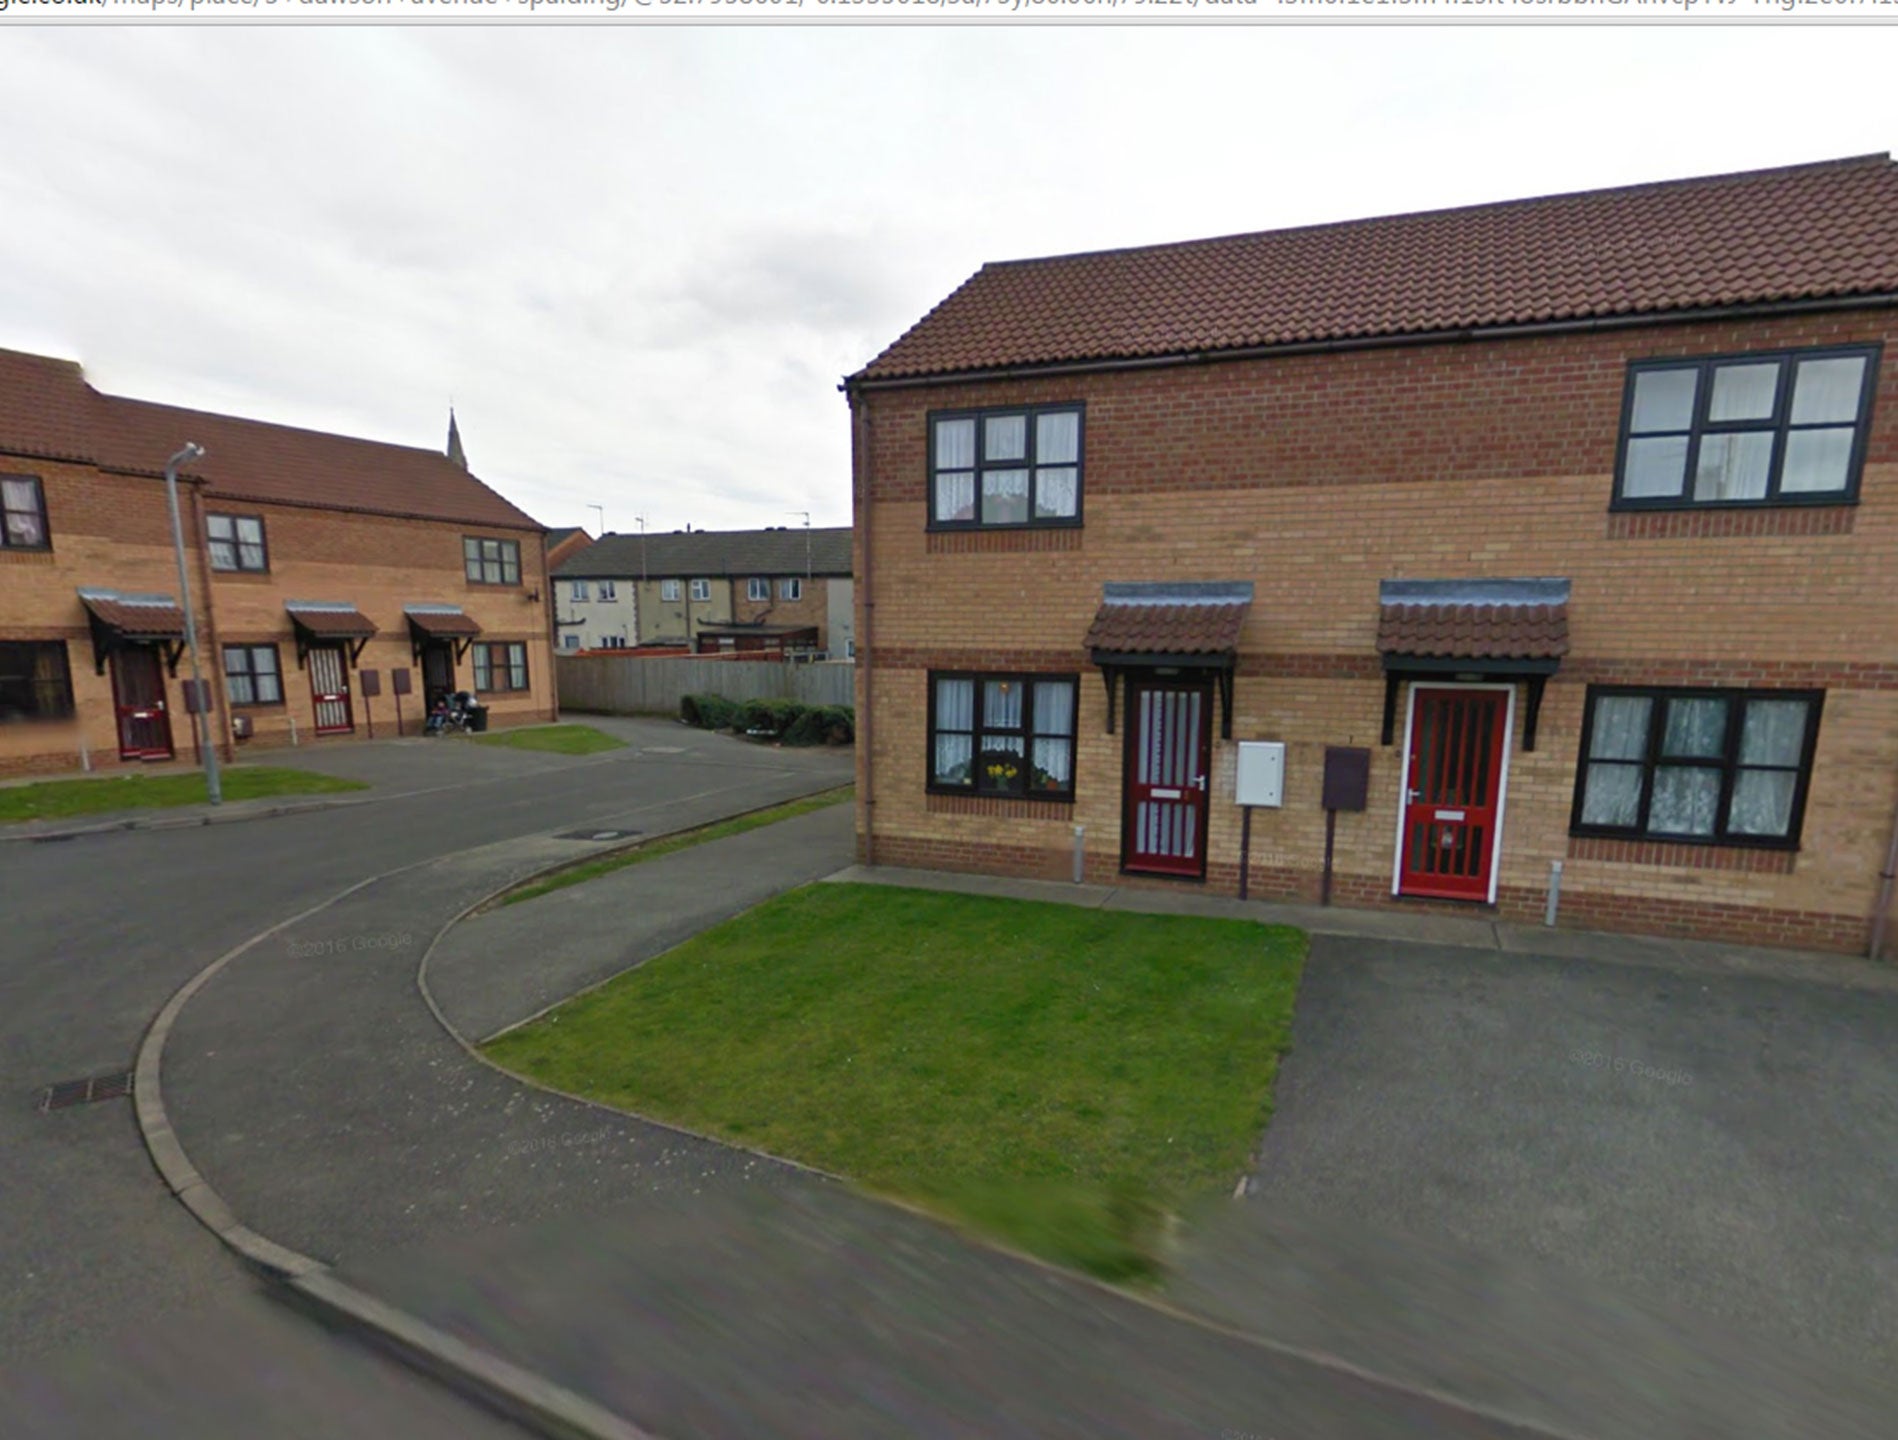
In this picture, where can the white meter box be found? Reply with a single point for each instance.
(1261, 775)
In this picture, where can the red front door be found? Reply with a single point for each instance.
(1169, 740)
(329, 688)
(1453, 800)
(138, 694)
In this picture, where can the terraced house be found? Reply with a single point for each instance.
(1559, 531)
(335, 580)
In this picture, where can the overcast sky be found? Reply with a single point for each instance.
(640, 261)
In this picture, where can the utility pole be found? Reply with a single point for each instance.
(200, 716)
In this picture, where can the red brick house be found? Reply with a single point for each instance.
(1573, 518)
(322, 568)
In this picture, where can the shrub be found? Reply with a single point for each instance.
(840, 724)
(708, 712)
(810, 728)
(768, 717)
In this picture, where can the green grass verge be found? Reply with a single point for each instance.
(1061, 1078)
(666, 845)
(62, 799)
(558, 739)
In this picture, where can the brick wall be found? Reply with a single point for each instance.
(113, 531)
(1315, 477)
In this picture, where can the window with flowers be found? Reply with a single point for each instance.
(1002, 735)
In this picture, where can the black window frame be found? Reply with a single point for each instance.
(25, 681)
(1028, 462)
(237, 565)
(249, 673)
(1699, 427)
(1727, 763)
(1027, 731)
(474, 566)
(7, 542)
(483, 660)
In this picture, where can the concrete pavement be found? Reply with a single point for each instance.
(101, 930)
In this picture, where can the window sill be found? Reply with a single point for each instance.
(1014, 807)
(1018, 539)
(1717, 521)
(1684, 855)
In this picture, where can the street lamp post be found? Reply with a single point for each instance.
(200, 712)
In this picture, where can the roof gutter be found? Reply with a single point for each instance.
(856, 383)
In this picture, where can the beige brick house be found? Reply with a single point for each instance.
(773, 590)
(1569, 523)
(322, 568)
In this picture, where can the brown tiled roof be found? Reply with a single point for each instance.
(1140, 619)
(1474, 620)
(331, 622)
(138, 617)
(444, 624)
(1802, 232)
(48, 409)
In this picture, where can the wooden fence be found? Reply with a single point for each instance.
(639, 685)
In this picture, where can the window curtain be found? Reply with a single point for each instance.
(955, 711)
(1002, 705)
(1053, 753)
(1004, 497)
(1056, 490)
(1773, 733)
(1617, 746)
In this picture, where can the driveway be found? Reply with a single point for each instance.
(1501, 1158)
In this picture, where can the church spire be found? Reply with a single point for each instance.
(455, 452)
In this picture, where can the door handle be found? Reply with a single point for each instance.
(1199, 782)
(1415, 795)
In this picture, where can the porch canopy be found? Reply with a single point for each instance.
(1472, 630)
(329, 622)
(1170, 625)
(439, 622)
(118, 619)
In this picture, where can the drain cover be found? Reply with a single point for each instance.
(67, 1093)
(599, 835)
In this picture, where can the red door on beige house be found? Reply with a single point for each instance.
(329, 689)
(1453, 793)
(1168, 753)
(138, 695)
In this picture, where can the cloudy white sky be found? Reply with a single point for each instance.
(640, 261)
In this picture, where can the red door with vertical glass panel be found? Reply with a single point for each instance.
(138, 694)
(1453, 801)
(329, 689)
(1169, 735)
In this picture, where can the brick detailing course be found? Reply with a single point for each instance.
(1688, 857)
(1717, 524)
(978, 542)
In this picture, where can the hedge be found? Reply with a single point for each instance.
(790, 721)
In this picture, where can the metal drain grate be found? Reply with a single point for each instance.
(68, 1093)
(598, 835)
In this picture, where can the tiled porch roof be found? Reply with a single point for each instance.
(137, 617)
(1201, 618)
(330, 620)
(1474, 619)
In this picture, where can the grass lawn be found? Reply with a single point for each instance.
(560, 739)
(60, 799)
(1059, 1077)
(593, 869)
